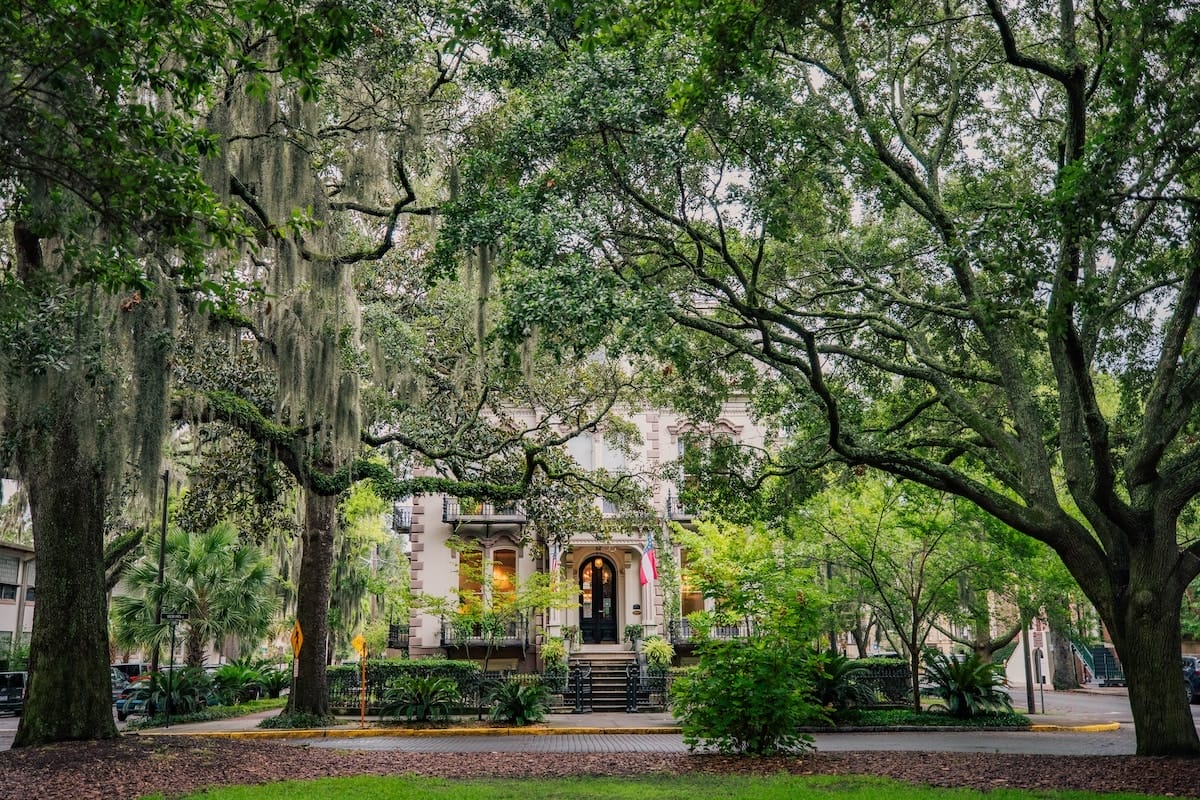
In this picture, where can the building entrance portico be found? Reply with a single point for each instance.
(598, 601)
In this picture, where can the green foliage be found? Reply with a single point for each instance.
(206, 714)
(224, 586)
(746, 697)
(302, 721)
(189, 690)
(274, 680)
(907, 718)
(421, 698)
(634, 633)
(837, 681)
(554, 653)
(658, 652)
(967, 684)
(519, 703)
(236, 683)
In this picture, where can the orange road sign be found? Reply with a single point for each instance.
(297, 639)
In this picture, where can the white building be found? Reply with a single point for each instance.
(605, 566)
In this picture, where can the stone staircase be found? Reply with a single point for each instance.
(607, 679)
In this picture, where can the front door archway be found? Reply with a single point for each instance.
(598, 601)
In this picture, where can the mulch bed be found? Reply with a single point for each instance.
(133, 766)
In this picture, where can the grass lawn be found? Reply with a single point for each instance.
(673, 787)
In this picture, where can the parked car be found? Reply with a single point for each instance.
(12, 691)
(134, 698)
(119, 681)
(1191, 677)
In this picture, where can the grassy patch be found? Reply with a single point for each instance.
(667, 787)
(209, 714)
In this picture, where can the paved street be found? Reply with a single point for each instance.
(1061, 708)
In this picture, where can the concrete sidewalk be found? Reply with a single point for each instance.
(600, 723)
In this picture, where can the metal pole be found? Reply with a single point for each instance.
(162, 562)
(171, 674)
(1041, 673)
(1028, 672)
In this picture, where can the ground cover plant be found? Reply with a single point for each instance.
(776, 787)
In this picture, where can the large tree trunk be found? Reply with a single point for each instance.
(310, 695)
(1148, 641)
(70, 696)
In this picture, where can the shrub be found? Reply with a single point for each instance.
(420, 698)
(554, 653)
(658, 652)
(189, 690)
(237, 683)
(746, 697)
(967, 684)
(837, 681)
(519, 703)
(288, 721)
(275, 680)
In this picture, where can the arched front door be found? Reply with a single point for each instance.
(598, 601)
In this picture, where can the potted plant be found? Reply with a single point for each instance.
(658, 652)
(634, 634)
(570, 635)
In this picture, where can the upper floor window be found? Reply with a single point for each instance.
(8, 591)
(692, 599)
(504, 573)
(9, 568)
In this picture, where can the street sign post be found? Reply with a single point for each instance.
(360, 644)
(173, 618)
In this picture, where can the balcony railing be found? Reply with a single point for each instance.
(398, 636)
(681, 631)
(402, 518)
(676, 510)
(455, 509)
(514, 633)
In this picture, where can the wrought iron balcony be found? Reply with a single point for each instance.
(401, 518)
(681, 632)
(512, 633)
(398, 636)
(465, 511)
(676, 510)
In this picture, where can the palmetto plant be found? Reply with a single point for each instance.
(519, 703)
(836, 681)
(420, 698)
(224, 586)
(967, 684)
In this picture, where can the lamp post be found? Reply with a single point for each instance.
(162, 563)
(173, 619)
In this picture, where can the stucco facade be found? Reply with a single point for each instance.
(605, 566)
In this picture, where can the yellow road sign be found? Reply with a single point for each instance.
(359, 644)
(297, 639)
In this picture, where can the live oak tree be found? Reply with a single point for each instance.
(108, 222)
(945, 233)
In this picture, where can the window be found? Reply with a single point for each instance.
(470, 576)
(9, 567)
(8, 591)
(504, 572)
(692, 598)
(580, 449)
(30, 594)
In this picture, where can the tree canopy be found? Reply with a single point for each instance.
(956, 242)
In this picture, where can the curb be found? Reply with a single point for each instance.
(359, 733)
(1102, 727)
